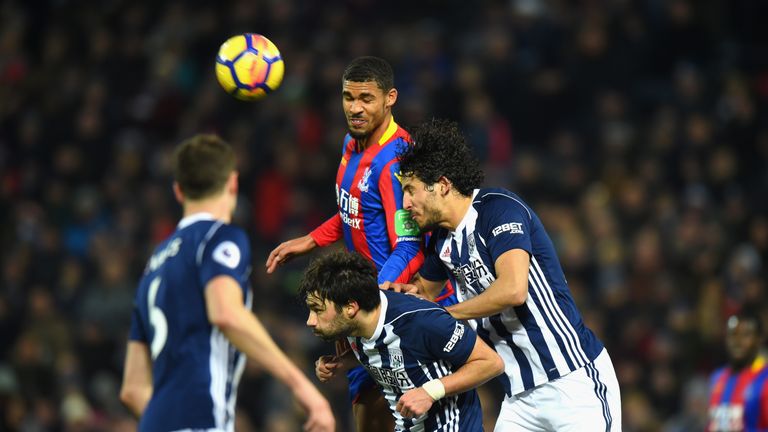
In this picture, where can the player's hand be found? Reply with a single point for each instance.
(326, 367)
(320, 419)
(400, 287)
(414, 403)
(289, 249)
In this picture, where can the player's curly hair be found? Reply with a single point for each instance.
(341, 277)
(440, 149)
(369, 68)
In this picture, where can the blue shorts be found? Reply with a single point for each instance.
(359, 381)
(359, 378)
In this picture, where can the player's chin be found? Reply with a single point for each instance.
(325, 336)
(358, 130)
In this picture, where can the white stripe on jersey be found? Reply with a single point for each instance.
(217, 365)
(558, 357)
(238, 372)
(558, 315)
(451, 413)
(201, 248)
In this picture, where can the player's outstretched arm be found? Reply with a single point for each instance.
(482, 365)
(509, 289)
(226, 310)
(288, 250)
(136, 389)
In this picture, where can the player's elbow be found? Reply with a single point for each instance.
(135, 397)
(224, 321)
(497, 366)
(518, 297)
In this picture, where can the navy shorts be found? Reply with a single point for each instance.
(359, 381)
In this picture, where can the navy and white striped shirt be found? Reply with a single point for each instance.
(540, 340)
(195, 369)
(417, 341)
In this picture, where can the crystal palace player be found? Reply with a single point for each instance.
(739, 391)
(192, 326)
(426, 362)
(510, 286)
(371, 219)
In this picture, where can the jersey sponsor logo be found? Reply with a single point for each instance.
(468, 274)
(458, 332)
(390, 377)
(446, 252)
(349, 207)
(352, 222)
(727, 417)
(227, 254)
(159, 258)
(404, 224)
(363, 183)
(512, 227)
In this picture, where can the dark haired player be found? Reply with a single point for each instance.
(426, 362)
(510, 287)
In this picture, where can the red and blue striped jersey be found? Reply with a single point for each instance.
(371, 218)
(739, 400)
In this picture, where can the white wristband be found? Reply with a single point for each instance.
(435, 389)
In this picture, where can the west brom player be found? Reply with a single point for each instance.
(425, 361)
(510, 286)
(192, 326)
(370, 216)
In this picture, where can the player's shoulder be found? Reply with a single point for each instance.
(403, 308)
(496, 199)
(229, 232)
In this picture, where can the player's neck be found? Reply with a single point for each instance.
(457, 208)
(367, 322)
(374, 137)
(218, 207)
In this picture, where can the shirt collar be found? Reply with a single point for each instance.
(465, 219)
(382, 316)
(195, 217)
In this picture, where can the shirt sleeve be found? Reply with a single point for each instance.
(137, 330)
(328, 232)
(404, 235)
(228, 253)
(506, 225)
(445, 338)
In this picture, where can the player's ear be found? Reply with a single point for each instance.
(391, 97)
(232, 183)
(178, 193)
(351, 309)
(444, 185)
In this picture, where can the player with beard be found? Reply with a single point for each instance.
(425, 361)
(510, 286)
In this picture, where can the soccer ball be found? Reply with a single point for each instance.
(249, 66)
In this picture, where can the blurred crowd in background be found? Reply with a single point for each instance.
(636, 129)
